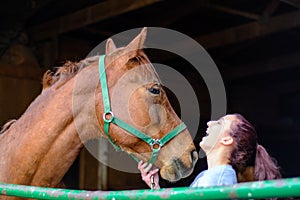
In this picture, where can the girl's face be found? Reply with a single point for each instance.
(215, 131)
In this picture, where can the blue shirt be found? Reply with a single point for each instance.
(216, 176)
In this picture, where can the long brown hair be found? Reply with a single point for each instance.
(250, 160)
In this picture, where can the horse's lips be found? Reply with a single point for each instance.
(176, 171)
(170, 174)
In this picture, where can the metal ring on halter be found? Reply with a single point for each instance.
(155, 142)
(110, 118)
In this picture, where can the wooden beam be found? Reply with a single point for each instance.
(234, 11)
(269, 65)
(161, 20)
(239, 33)
(181, 12)
(87, 16)
(270, 9)
(294, 3)
(250, 31)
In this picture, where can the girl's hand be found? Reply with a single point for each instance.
(149, 176)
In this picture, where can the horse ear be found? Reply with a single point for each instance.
(138, 41)
(110, 46)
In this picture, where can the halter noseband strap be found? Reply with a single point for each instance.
(108, 117)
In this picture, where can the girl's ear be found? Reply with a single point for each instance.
(227, 140)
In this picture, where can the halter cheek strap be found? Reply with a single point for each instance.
(109, 117)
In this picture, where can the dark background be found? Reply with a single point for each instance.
(254, 43)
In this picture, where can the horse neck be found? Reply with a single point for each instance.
(41, 146)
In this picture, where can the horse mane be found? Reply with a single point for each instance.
(69, 69)
(65, 72)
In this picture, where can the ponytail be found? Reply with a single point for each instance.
(250, 160)
(266, 167)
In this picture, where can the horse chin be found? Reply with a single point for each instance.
(172, 174)
(169, 173)
(176, 170)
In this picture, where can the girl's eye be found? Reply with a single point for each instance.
(154, 90)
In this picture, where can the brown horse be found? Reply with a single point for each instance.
(39, 147)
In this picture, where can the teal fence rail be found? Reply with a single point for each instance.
(289, 187)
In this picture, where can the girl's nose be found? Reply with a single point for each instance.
(210, 123)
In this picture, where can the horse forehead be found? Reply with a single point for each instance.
(128, 84)
(139, 75)
(121, 55)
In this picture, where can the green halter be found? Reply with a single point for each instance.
(108, 117)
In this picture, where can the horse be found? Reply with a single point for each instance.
(131, 110)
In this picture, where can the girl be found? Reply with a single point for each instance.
(233, 155)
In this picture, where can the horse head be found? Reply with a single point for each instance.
(135, 114)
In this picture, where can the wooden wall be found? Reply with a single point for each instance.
(20, 82)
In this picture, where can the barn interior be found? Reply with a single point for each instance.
(253, 43)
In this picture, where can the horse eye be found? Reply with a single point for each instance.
(154, 90)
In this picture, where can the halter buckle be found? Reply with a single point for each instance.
(108, 116)
(155, 144)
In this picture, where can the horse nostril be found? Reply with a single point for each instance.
(194, 156)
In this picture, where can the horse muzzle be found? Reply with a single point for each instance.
(178, 169)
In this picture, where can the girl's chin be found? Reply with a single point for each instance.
(201, 143)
